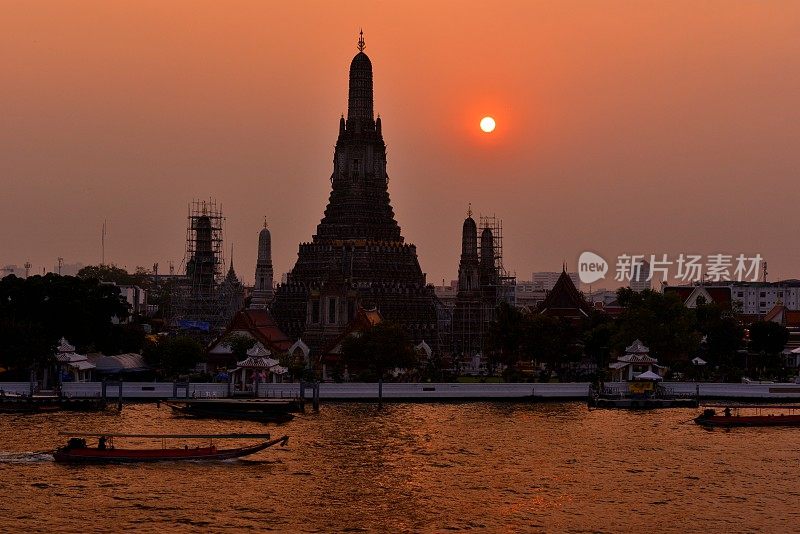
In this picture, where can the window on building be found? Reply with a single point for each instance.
(332, 310)
(315, 311)
(763, 294)
(762, 304)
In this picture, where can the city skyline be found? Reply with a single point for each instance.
(602, 143)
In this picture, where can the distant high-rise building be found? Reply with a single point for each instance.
(358, 257)
(262, 291)
(640, 276)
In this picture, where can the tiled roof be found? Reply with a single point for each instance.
(363, 320)
(791, 318)
(262, 326)
(718, 294)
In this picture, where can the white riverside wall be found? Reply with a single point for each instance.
(412, 391)
(431, 391)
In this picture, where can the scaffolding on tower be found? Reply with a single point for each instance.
(506, 281)
(197, 303)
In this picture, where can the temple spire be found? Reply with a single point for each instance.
(359, 101)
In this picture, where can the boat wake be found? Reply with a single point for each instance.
(25, 457)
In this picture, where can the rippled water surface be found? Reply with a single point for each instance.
(416, 467)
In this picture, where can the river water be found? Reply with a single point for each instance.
(416, 467)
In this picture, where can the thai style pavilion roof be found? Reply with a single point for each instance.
(65, 354)
(637, 358)
(252, 362)
(64, 346)
(637, 347)
(258, 351)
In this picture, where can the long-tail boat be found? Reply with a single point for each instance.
(764, 415)
(77, 451)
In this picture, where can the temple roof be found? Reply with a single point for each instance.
(564, 300)
(782, 315)
(260, 324)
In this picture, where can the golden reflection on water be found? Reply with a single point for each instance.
(417, 467)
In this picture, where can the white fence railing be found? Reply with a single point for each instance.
(407, 391)
(15, 388)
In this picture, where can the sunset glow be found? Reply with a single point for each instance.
(269, 238)
(583, 101)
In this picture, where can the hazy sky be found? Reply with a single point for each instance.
(635, 127)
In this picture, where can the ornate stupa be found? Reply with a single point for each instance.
(262, 290)
(466, 338)
(358, 257)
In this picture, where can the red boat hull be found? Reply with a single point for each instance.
(99, 456)
(749, 420)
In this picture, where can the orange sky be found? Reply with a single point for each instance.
(638, 127)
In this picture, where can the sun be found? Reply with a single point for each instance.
(487, 124)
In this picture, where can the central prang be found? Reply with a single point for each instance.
(357, 261)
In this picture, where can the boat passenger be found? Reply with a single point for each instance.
(727, 411)
(101, 443)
